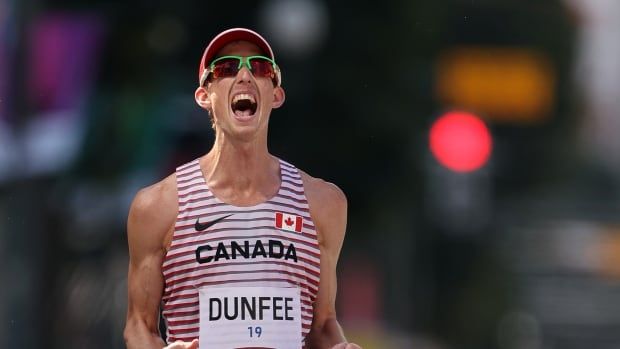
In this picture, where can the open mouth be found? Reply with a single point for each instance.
(243, 105)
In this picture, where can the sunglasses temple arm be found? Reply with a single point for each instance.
(204, 76)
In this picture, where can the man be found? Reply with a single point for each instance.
(238, 247)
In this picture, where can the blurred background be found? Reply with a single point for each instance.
(476, 140)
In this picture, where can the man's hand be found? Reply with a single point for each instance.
(186, 345)
(346, 346)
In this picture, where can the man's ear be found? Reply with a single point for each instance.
(278, 97)
(202, 98)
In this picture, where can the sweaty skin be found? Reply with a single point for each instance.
(240, 171)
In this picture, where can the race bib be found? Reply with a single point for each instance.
(250, 317)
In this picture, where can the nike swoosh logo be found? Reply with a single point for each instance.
(203, 226)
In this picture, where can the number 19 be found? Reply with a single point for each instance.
(257, 330)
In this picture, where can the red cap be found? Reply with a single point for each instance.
(230, 35)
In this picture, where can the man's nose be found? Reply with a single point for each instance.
(244, 75)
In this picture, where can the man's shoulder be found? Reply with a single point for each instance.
(156, 199)
(151, 218)
(328, 208)
(323, 195)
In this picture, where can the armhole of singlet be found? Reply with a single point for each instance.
(295, 172)
(292, 171)
(192, 165)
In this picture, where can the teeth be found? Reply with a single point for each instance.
(244, 96)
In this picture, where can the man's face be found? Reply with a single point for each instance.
(241, 105)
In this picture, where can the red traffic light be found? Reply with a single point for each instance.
(460, 141)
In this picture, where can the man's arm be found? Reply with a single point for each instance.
(149, 230)
(328, 208)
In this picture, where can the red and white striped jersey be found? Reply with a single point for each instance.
(215, 244)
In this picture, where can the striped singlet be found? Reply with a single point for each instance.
(225, 254)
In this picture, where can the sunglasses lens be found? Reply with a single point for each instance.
(225, 68)
(262, 68)
(229, 67)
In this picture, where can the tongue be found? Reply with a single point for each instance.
(243, 113)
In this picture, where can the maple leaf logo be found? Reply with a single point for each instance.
(288, 222)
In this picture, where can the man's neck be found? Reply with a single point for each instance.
(241, 173)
